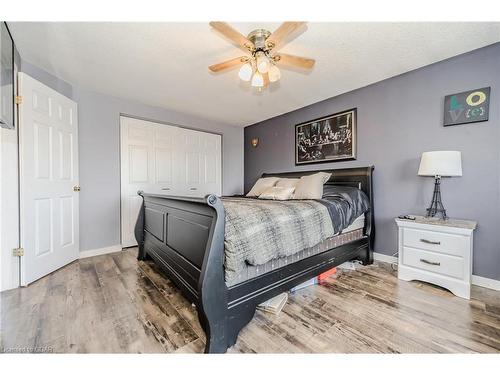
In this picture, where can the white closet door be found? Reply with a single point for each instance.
(211, 163)
(48, 146)
(159, 158)
(188, 164)
(199, 163)
(164, 141)
(146, 164)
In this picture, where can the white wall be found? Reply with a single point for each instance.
(9, 203)
(9, 208)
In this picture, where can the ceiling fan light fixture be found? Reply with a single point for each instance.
(274, 73)
(257, 80)
(246, 72)
(262, 62)
(258, 66)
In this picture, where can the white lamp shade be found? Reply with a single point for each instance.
(246, 72)
(274, 73)
(257, 80)
(440, 163)
(262, 63)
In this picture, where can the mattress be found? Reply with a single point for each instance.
(358, 223)
(351, 233)
(258, 231)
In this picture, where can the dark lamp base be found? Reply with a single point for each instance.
(436, 207)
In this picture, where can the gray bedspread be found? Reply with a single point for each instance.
(258, 230)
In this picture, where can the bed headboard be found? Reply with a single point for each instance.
(360, 177)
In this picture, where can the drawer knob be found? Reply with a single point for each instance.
(430, 262)
(430, 242)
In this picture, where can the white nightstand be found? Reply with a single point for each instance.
(436, 251)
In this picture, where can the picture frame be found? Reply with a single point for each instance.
(7, 94)
(467, 107)
(327, 139)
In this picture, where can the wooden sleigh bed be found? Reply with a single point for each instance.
(185, 237)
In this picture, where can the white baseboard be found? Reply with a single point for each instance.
(485, 282)
(475, 280)
(101, 251)
(384, 258)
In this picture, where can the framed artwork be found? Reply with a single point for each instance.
(6, 78)
(466, 107)
(327, 139)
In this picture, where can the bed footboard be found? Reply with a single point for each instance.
(185, 237)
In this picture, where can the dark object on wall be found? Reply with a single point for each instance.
(185, 237)
(326, 139)
(466, 107)
(6, 78)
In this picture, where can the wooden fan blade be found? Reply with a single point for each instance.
(266, 80)
(228, 64)
(282, 32)
(292, 60)
(232, 34)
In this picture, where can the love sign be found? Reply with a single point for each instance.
(466, 107)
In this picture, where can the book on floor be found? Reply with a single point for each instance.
(275, 304)
(305, 284)
(325, 275)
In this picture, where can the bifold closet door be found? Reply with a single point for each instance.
(164, 159)
(198, 163)
(147, 152)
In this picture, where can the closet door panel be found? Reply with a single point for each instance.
(159, 158)
(193, 168)
(164, 150)
(137, 172)
(211, 158)
(190, 167)
(179, 157)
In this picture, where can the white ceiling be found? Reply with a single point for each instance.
(165, 64)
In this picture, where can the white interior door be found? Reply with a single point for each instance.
(165, 159)
(48, 146)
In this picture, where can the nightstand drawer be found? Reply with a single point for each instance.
(434, 262)
(445, 243)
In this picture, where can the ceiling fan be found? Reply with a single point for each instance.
(260, 66)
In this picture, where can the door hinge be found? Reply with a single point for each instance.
(19, 252)
(19, 99)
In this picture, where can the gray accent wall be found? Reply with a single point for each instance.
(99, 154)
(398, 119)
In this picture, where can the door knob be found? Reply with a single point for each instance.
(76, 188)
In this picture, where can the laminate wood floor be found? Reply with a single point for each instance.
(113, 303)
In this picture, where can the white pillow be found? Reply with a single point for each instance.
(277, 193)
(287, 182)
(311, 187)
(261, 185)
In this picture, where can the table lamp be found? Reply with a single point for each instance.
(439, 164)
